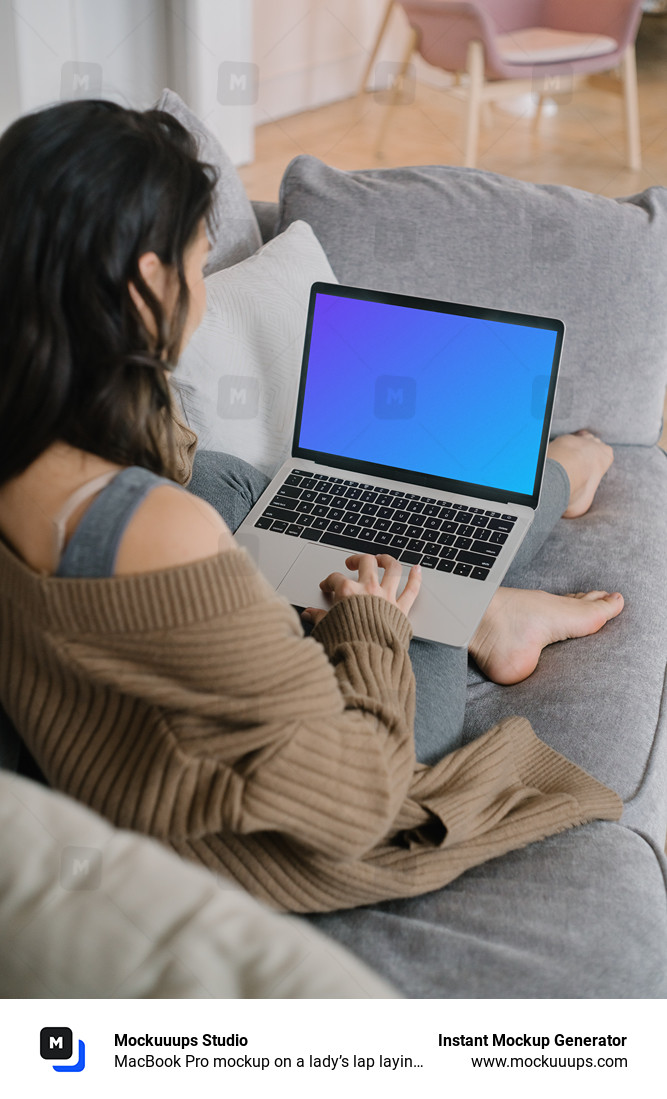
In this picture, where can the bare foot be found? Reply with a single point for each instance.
(585, 459)
(518, 625)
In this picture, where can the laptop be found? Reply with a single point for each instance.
(420, 430)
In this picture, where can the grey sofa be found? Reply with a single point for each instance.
(584, 913)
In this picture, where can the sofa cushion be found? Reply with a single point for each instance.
(267, 218)
(236, 233)
(87, 910)
(462, 235)
(602, 700)
(238, 377)
(579, 915)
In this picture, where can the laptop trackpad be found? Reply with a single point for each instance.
(437, 614)
(301, 585)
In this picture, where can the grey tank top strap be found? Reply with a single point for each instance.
(92, 550)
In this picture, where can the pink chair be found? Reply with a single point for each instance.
(508, 47)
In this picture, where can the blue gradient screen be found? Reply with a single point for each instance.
(456, 397)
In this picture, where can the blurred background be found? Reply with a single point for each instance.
(277, 79)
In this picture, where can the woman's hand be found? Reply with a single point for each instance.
(340, 587)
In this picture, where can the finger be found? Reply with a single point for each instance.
(338, 586)
(331, 581)
(384, 561)
(354, 560)
(313, 614)
(366, 565)
(393, 571)
(411, 589)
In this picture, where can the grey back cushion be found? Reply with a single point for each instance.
(236, 234)
(463, 235)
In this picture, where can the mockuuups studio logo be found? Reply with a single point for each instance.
(55, 1044)
(80, 80)
(395, 82)
(238, 83)
(558, 82)
(238, 397)
(80, 868)
(395, 397)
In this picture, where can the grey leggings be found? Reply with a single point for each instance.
(232, 487)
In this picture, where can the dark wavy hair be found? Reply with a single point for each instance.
(86, 188)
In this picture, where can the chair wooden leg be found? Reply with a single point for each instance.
(631, 103)
(395, 91)
(537, 117)
(475, 95)
(374, 52)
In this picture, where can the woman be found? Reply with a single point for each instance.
(151, 670)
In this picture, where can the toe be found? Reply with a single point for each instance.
(614, 598)
(614, 604)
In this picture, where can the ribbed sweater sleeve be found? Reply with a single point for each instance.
(337, 761)
(345, 767)
(194, 705)
(187, 704)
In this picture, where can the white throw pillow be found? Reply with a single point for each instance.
(88, 910)
(238, 377)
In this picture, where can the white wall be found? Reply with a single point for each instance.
(9, 91)
(70, 48)
(211, 67)
(305, 53)
(312, 52)
(128, 50)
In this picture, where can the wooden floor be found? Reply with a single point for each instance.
(580, 144)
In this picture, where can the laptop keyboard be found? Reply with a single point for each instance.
(362, 518)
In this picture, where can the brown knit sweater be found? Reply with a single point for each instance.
(187, 704)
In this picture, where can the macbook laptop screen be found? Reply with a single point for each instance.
(450, 392)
